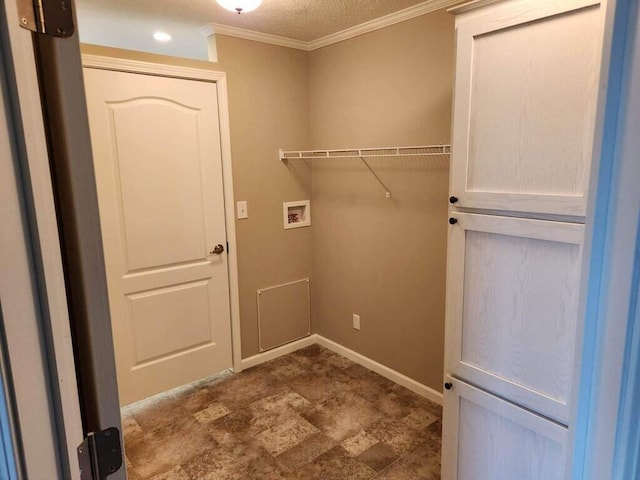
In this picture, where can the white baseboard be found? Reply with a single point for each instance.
(394, 376)
(277, 352)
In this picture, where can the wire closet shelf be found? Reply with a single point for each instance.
(418, 151)
(363, 153)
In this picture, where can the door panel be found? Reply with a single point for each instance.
(158, 168)
(486, 438)
(512, 326)
(526, 91)
(163, 219)
(163, 312)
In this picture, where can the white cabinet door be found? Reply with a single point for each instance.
(527, 75)
(486, 438)
(512, 296)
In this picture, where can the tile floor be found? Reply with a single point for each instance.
(309, 415)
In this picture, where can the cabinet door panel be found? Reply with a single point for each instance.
(525, 100)
(512, 293)
(487, 438)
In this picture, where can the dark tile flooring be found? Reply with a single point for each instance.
(309, 415)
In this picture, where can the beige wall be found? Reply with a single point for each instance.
(383, 258)
(268, 101)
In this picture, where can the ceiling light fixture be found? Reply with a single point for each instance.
(162, 36)
(240, 6)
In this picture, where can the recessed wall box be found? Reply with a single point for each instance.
(296, 214)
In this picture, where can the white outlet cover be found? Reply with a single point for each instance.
(242, 210)
(356, 321)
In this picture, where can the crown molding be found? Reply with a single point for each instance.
(370, 26)
(208, 30)
(470, 5)
(386, 21)
(260, 37)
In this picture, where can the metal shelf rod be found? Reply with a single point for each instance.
(386, 189)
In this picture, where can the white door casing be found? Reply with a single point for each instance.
(157, 153)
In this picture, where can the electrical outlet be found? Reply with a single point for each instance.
(356, 321)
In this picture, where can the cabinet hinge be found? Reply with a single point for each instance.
(48, 17)
(100, 454)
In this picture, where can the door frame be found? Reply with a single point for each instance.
(101, 62)
(605, 438)
(39, 368)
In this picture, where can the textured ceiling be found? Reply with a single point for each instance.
(304, 20)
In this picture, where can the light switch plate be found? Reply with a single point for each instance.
(242, 210)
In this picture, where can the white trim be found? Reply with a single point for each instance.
(229, 203)
(397, 377)
(220, 78)
(472, 5)
(278, 352)
(378, 23)
(208, 30)
(135, 66)
(260, 37)
(366, 27)
(394, 376)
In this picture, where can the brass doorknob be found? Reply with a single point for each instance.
(218, 249)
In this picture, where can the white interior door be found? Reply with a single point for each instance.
(156, 148)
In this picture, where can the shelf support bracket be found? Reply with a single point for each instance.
(386, 190)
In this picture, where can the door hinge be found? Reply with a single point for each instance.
(100, 454)
(48, 17)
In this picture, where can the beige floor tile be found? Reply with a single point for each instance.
(358, 443)
(176, 473)
(130, 428)
(419, 419)
(218, 463)
(285, 435)
(398, 436)
(211, 413)
(379, 456)
(308, 415)
(336, 464)
(245, 388)
(343, 415)
(398, 472)
(168, 446)
(315, 388)
(157, 412)
(424, 460)
(287, 400)
(197, 400)
(305, 452)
